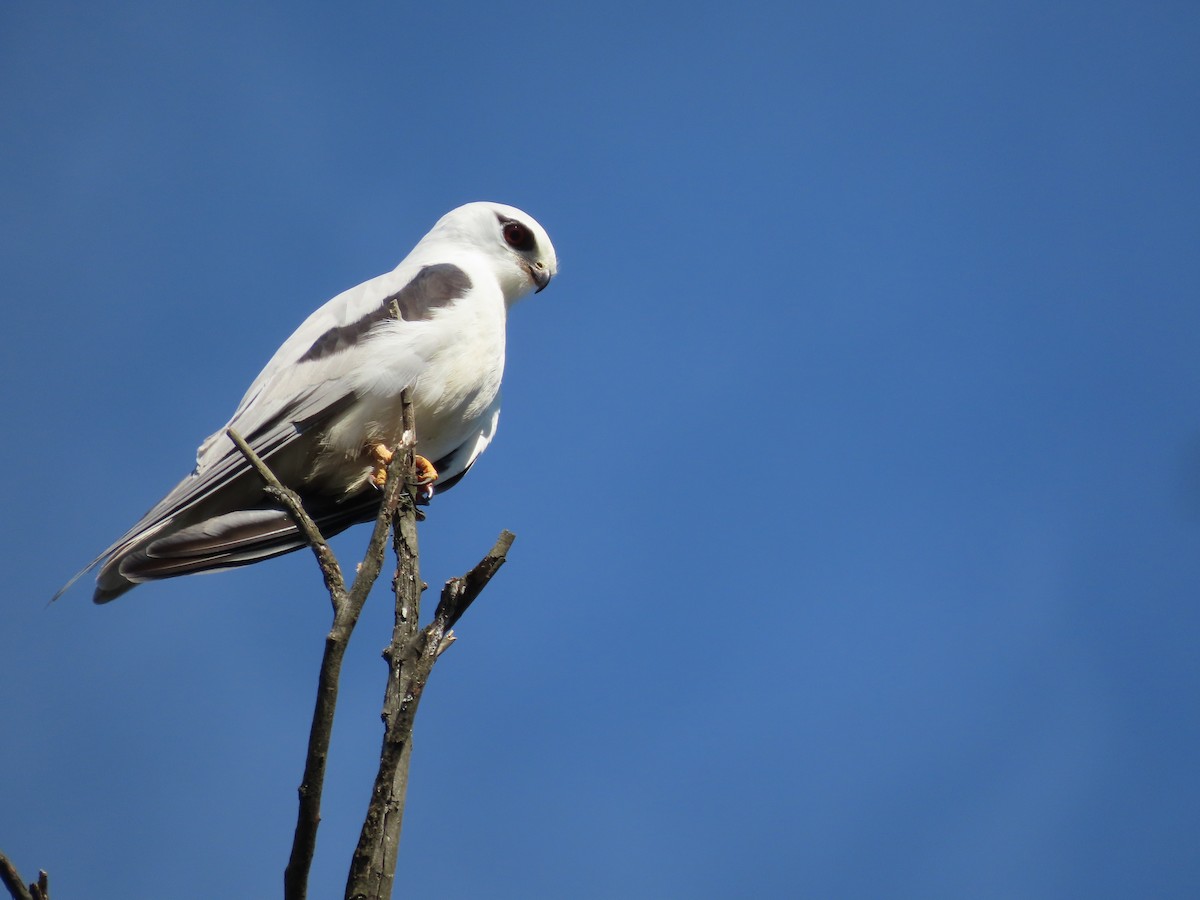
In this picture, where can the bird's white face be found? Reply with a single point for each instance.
(514, 242)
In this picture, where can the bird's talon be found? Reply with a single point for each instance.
(382, 457)
(426, 476)
(426, 473)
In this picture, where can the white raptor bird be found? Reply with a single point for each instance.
(326, 407)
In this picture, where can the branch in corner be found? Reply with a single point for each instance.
(410, 656)
(37, 890)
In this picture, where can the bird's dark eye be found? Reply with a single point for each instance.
(518, 236)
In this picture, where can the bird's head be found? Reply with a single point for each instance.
(514, 243)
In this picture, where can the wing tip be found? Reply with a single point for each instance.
(74, 578)
(107, 595)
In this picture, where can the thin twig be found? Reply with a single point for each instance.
(334, 581)
(459, 593)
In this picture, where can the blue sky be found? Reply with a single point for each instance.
(854, 456)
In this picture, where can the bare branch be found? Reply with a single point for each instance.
(399, 474)
(16, 885)
(334, 582)
(373, 866)
(411, 657)
(459, 593)
(347, 608)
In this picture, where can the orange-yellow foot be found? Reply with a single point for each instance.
(426, 473)
(426, 476)
(382, 457)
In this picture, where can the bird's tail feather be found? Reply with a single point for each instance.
(221, 542)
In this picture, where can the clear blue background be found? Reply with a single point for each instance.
(854, 456)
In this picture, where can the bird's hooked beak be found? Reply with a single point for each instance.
(540, 274)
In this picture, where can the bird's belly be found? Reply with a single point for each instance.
(451, 404)
(456, 391)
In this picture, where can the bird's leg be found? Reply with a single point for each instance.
(382, 457)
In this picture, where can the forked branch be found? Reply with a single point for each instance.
(410, 656)
(37, 890)
(347, 606)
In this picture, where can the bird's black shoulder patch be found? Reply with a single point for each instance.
(432, 287)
